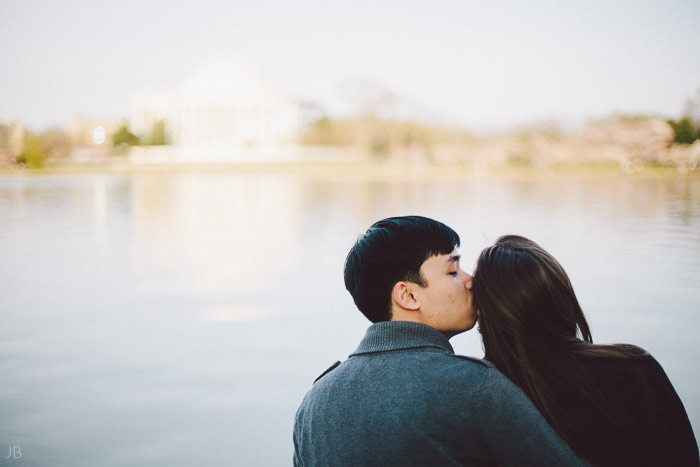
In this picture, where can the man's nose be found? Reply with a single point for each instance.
(467, 279)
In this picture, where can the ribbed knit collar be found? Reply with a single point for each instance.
(397, 335)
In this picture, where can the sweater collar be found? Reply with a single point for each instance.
(396, 335)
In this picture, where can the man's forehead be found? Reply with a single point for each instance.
(447, 259)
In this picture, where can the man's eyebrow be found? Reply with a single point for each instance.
(454, 258)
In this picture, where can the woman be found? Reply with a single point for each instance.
(613, 404)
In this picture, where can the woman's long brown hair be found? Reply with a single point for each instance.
(534, 331)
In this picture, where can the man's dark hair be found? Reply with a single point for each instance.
(393, 250)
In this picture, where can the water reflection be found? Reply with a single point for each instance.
(185, 314)
(220, 233)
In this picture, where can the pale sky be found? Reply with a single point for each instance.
(482, 64)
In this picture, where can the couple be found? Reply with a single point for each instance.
(543, 395)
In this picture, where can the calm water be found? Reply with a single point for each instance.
(177, 319)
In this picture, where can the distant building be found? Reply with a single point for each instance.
(11, 139)
(226, 108)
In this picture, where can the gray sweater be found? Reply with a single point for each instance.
(403, 398)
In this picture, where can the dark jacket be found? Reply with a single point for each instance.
(635, 419)
(403, 398)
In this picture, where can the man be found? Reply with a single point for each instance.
(403, 398)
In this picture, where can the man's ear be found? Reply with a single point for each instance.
(403, 296)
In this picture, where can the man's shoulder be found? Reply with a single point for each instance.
(463, 370)
(466, 358)
(455, 363)
(328, 370)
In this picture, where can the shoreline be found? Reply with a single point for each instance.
(374, 169)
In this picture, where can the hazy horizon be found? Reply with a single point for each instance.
(474, 64)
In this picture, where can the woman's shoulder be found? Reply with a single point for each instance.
(623, 362)
(614, 354)
(623, 350)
